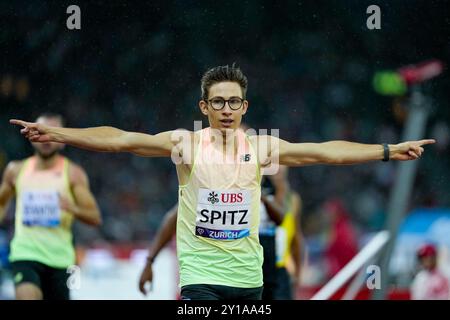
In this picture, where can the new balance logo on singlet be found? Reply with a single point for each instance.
(246, 157)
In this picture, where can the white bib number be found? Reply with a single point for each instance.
(41, 208)
(223, 214)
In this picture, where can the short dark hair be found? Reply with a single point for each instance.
(221, 74)
(52, 115)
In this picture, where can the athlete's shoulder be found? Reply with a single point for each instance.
(183, 141)
(261, 139)
(12, 171)
(255, 140)
(263, 146)
(76, 172)
(252, 138)
(14, 166)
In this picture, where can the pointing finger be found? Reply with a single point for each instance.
(19, 122)
(427, 141)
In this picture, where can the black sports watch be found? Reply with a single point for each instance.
(386, 152)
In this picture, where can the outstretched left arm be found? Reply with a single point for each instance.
(339, 152)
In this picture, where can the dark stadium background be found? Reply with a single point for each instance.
(310, 65)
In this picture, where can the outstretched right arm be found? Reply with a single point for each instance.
(103, 139)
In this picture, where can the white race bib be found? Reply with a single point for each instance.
(280, 243)
(41, 208)
(223, 214)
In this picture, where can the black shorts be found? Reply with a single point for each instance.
(283, 289)
(51, 281)
(218, 292)
(269, 266)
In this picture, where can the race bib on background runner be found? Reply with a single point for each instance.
(41, 208)
(223, 214)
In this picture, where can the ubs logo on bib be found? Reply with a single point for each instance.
(231, 197)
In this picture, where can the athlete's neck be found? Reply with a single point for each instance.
(46, 163)
(228, 139)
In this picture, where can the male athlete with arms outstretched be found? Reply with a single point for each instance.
(219, 171)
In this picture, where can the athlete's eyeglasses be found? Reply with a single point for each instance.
(218, 103)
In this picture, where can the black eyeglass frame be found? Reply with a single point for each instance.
(226, 101)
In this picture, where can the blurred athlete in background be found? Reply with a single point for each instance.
(51, 191)
(289, 243)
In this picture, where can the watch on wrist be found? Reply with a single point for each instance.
(386, 152)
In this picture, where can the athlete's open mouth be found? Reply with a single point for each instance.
(226, 122)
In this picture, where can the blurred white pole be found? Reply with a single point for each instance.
(357, 282)
(403, 185)
(365, 255)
